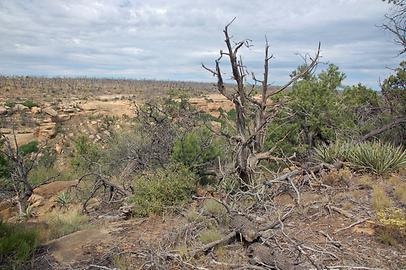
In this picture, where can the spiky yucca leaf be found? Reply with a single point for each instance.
(377, 157)
(332, 153)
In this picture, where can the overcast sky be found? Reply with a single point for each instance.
(170, 39)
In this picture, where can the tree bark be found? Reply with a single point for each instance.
(384, 128)
(252, 115)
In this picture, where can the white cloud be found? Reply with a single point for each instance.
(169, 39)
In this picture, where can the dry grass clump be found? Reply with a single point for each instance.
(399, 187)
(210, 235)
(365, 180)
(65, 221)
(214, 208)
(391, 219)
(194, 216)
(380, 199)
(337, 177)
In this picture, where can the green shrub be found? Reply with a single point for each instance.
(312, 114)
(17, 245)
(162, 188)
(29, 148)
(392, 227)
(196, 149)
(4, 167)
(30, 104)
(41, 173)
(377, 157)
(86, 153)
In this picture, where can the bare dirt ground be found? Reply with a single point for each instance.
(333, 226)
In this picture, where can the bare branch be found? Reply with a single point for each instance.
(308, 69)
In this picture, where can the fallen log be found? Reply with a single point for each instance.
(302, 171)
(214, 244)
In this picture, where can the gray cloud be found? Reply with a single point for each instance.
(169, 39)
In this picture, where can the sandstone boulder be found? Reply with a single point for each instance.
(20, 108)
(50, 112)
(36, 110)
(63, 117)
(36, 200)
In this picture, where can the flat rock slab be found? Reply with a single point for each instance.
(69, 249)
(53, 188)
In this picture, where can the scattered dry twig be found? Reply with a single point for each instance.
(351, 225)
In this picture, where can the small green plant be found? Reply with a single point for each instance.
(108, 122)
(210, 235)
(29, 103)
(4, 167)
(229, 184)
(392, 216)
(63, 199)
(122, 262)
(392, 226)
(17, 245)
(9, 103)
(387, 236)
(29, 212)
(48, 157)
(161, 189)
(332, 153)
(377, 157)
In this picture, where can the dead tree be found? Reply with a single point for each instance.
(20, 168)
(396, 23)
(253, 113)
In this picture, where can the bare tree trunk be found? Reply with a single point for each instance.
(20, 170)
(252, 115)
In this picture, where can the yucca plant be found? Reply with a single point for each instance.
(63, 199)
(331, 153)
(377, 157)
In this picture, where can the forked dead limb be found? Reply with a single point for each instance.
(101, 182)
